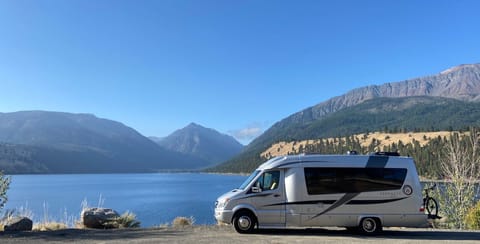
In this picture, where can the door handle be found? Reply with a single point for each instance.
(276, 195)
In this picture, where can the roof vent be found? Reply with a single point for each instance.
(394, 154)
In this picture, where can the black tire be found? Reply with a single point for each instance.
(431, 206)
(370, 226)
(244, 222)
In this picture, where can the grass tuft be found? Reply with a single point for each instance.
(183, 221)
(49, 226)
(128, 220)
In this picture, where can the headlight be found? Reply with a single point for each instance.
(222, 203)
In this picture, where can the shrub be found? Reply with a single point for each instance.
(128, 220)
(183, 221)
(4, 184)
(461, 164)
(472, 220)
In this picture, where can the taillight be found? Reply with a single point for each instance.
(422, 209)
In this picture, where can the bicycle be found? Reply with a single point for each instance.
(430, 204)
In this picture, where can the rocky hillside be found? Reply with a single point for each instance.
(201, 142)
(460, 82)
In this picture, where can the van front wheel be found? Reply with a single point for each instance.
(370, 226)
(244, 222)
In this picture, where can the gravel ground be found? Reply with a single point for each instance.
(226, 234)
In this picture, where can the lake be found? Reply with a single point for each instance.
(156, 199)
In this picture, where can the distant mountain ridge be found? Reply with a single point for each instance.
(56, 142)
(201, 142)
(461, 83)
(66, 130)
(419, 113)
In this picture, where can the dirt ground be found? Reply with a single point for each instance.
(226, 234)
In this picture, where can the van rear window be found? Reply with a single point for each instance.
(353, 180)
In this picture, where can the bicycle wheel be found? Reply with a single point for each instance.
(431, 206)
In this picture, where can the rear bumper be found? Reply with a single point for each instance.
(413, 220)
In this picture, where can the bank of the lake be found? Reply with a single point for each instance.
(156, 199)
(226, 234)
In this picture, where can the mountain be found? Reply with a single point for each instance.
(390, 114)
(203, 143)
(461, 83)
(55, 142)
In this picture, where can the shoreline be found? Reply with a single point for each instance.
(222, 234)
(139, 173)
(422, 179)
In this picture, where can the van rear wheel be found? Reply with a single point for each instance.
(244, 222)
(370, 226)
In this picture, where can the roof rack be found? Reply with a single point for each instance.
(353, 152)
(394, 154)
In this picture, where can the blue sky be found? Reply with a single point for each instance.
(235, 66)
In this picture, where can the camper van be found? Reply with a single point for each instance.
(358, 192)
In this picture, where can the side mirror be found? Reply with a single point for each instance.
(256, 189)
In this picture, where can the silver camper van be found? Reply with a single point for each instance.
(364, 192)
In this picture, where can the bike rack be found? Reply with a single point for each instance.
(433, 216)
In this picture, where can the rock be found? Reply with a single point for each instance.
(99, 218)
(18, 224)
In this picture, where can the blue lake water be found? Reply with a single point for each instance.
(155, 198)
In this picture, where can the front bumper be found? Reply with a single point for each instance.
(223, 216)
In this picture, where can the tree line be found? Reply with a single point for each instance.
(428, 156)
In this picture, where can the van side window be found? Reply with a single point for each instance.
(353, 180)
(269, 180)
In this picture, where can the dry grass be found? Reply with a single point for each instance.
(285, 148)
(183, 221)
(49, 226)
(128, 220)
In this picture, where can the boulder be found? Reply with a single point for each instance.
(18, 224)
(99, 218)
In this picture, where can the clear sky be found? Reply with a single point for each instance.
(235, 66)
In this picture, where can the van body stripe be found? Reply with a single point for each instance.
(361, 202)
(347, 197)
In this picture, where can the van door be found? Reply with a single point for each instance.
(268, 197)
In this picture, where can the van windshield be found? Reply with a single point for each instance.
(249, 179)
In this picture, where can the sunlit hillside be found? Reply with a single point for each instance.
(383, 139)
